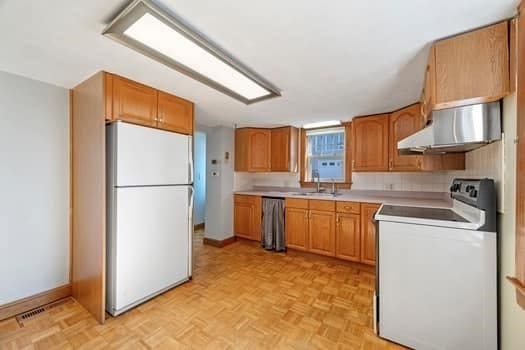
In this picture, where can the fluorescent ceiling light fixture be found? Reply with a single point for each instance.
(152, 31)
(323, 124)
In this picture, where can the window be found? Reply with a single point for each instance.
(325, 155)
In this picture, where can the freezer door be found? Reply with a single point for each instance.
(150, 243)
(146, 156)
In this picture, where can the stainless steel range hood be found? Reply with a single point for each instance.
(458, 129)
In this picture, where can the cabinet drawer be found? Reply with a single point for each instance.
(348, 207)
(296, 203)
(322, 205)
(245, 198)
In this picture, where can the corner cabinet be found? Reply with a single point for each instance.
(247, 216)
(370, 143)
(136, 103)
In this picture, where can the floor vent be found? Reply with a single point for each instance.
(31, 314)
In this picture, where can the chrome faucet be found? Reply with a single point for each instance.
(315, 174)
(334, 187)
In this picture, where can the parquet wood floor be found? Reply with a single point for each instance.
(241, 297)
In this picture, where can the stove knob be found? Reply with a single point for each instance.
(455, 188)
(473, 193)
(469, 188)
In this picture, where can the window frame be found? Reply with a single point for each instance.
(348, 158)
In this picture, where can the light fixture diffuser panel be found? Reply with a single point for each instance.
(150, 30)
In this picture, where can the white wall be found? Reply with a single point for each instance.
(199, 153)
(34, 187)
(512, 316)
(219, 194)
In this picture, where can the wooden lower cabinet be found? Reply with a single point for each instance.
(296, 228)
(368, 233)
(321, 231)
(348, 236)
(247, 216)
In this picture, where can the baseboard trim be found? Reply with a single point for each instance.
(219, 243)
(199, 226)
(32, 302)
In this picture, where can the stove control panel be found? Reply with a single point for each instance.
(478, 193)
(471, 190)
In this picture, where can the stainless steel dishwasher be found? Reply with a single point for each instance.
(273, 237)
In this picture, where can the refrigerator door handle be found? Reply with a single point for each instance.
(191, 194)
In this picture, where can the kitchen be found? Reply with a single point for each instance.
(322, 179)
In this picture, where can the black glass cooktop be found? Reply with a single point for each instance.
(422, 213)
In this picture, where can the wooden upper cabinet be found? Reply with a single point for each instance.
(259, 144)
(472, 67)
(368, 233)
(296, 228)
(404, 123)
(175, 114)
(284, 149)
(247, 216)
(134, 102)
(321, 232)
(241, 150)
(252, 150)
(348, 237)
(370, 143)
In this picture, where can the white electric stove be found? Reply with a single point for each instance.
(436, 283)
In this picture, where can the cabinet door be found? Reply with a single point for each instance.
(322, 232)
(473, 67)
(284, 149)
(368, 233)
(175, 114)
(348, 237)
(247, 216)
(296, 227)
(404, 123)
(134, 102)
(370, 143)
(243, 217)
(259, 149)
(241, 149)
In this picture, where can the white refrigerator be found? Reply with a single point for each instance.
(149, 217)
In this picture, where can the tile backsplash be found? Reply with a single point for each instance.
(486, 161)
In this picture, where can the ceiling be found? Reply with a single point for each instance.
(331, 59)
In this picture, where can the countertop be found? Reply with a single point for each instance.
(406, 198)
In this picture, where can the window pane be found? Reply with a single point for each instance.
(325, 154)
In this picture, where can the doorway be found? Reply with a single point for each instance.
(199, 185)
